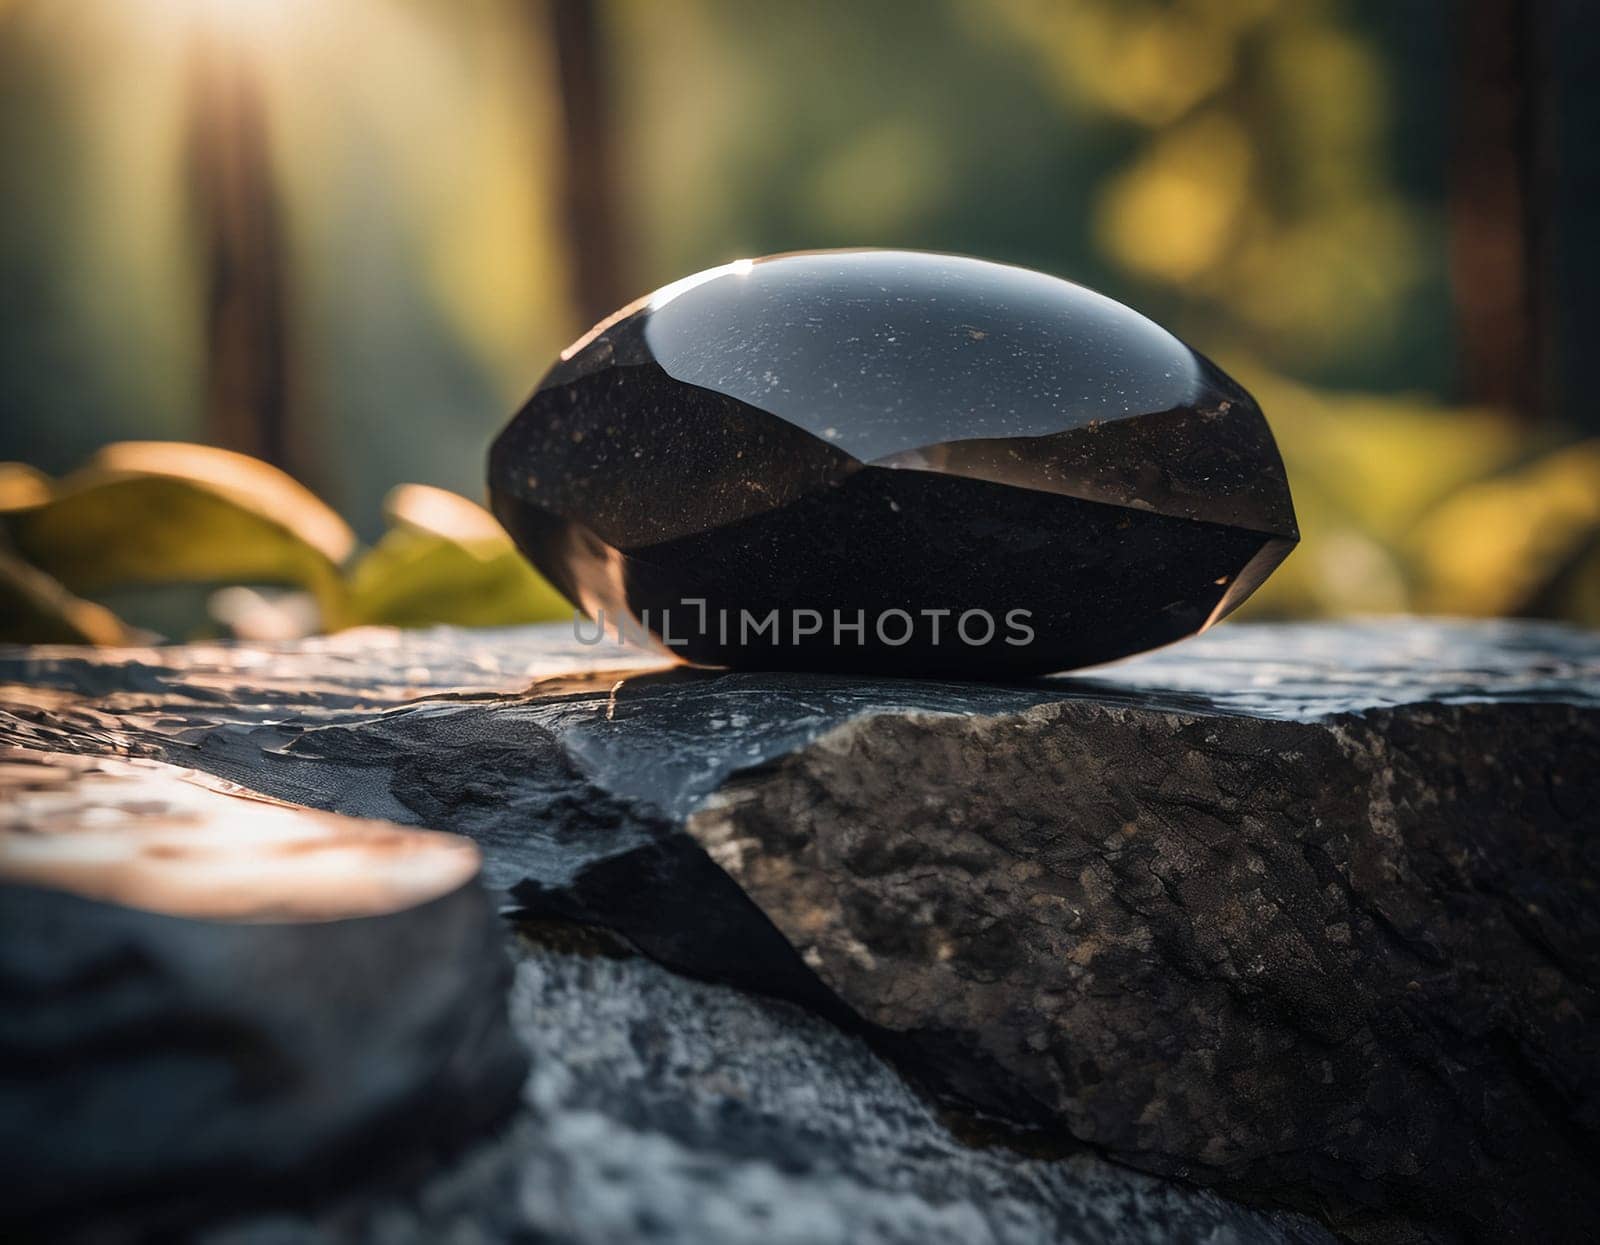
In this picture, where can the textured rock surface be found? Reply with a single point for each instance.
(680, 1113)
(156, 1069)
(1307, 913)
(1358, 958)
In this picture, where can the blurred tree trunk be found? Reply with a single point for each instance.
(241, 247)
(588, 190)
(1574, 46)
(1499, 204)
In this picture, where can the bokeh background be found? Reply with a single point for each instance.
(345, 239)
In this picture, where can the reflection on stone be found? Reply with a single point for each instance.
(871, 433)
(152, 837)
(214, 1000)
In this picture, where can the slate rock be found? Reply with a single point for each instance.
(212, 1002)
(1305, 913)
(675, 1112)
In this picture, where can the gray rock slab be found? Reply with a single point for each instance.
(209, 1001)
(1307, 913)
(677, 1112)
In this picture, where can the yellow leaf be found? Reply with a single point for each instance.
(148, 513)
(22, 487)
(1491, 547)
(446, 560)
(35, 609)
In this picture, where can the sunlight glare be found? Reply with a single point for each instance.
(246, 21)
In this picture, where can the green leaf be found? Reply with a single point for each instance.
(446, 560)
(35, 609)
(147, 513)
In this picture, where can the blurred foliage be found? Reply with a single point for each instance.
(1257, 187)
(1266, 177)
(1409, 505)
(445, 560)
(149, 515)
(1258, 174)
(37, 609)
(160, 513)
(1527, 540)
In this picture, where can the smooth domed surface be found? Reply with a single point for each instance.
(893, 461)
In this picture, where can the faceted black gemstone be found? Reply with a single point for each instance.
(897, 462)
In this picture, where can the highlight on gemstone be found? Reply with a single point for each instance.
(893, 461)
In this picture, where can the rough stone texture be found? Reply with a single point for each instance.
(681, 1113)
(1307, 913)
(1358, 958)
(157, 1069)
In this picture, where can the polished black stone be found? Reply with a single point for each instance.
(893, 461)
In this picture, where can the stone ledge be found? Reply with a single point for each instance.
(1308, 913)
